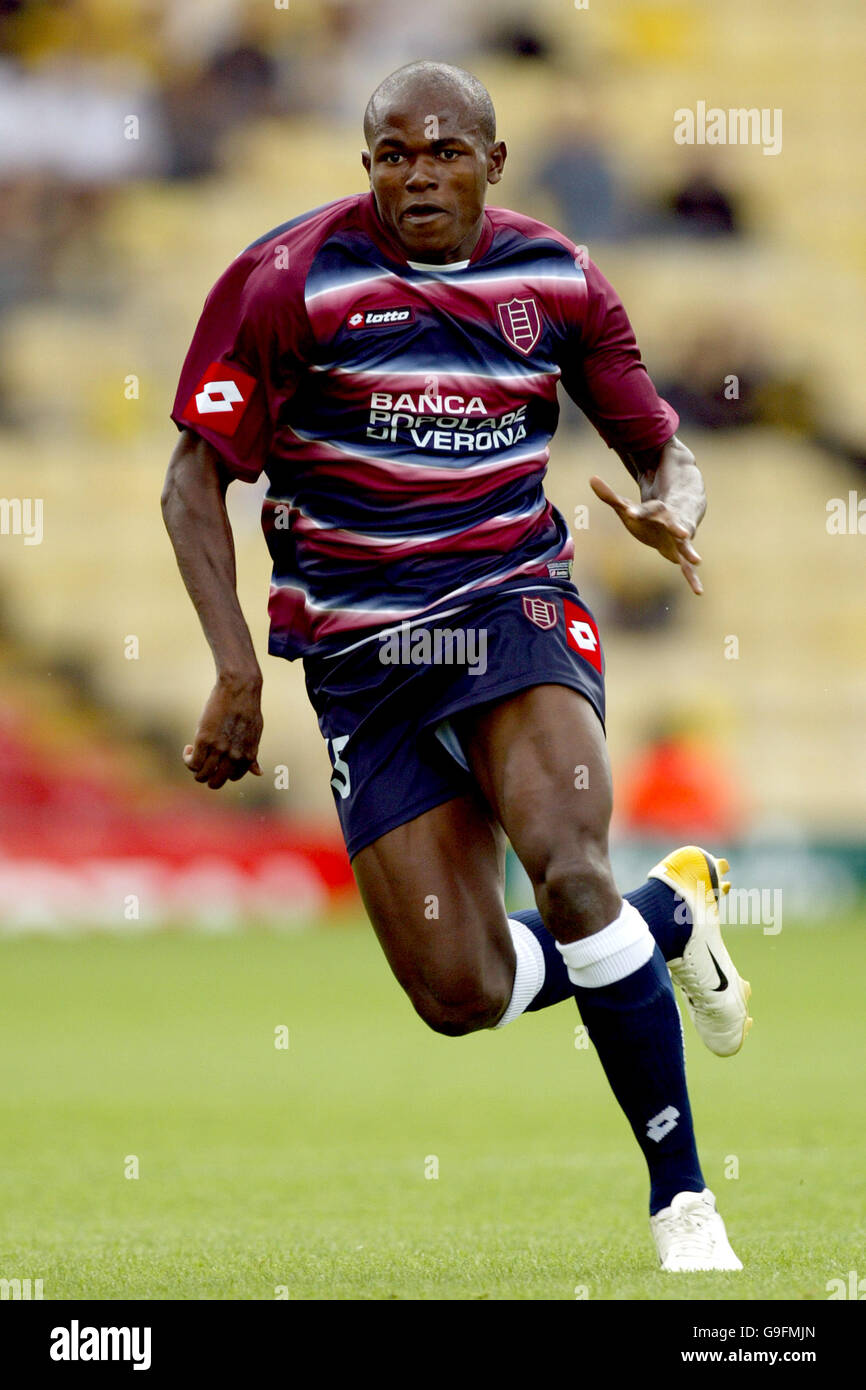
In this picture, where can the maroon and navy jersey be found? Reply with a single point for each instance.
(403, 413)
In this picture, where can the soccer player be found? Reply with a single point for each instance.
(391, 361)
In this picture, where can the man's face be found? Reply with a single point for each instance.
(429, 169)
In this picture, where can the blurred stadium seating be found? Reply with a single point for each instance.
(104, 269)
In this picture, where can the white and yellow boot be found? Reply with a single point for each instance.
(716, 995)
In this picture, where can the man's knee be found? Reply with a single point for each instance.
(463, 1005)
(575, 887)
(578, 881)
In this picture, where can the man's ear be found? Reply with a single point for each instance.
(365, 160)
(496, 161)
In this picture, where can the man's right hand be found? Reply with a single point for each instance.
(228, 733)
(194, 508)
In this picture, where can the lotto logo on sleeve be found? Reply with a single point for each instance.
(582, 633)
(220, 398)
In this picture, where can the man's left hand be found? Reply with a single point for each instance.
(672, 504)
(655, 524)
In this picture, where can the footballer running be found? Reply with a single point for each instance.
(390, 361)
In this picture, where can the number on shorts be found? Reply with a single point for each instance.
(341, 779)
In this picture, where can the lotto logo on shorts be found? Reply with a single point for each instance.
(380, 318)
(582, 633)
(540, 612)
(220, 398)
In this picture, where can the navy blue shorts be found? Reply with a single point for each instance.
(385, 707)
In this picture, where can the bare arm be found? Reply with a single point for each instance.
(194, 510)
(672, 506)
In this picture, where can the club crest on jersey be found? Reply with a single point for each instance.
(520, 321)
(381, 318)
(540, 612)
(220, 398)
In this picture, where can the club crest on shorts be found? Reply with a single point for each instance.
(520, 321)
(541, 612)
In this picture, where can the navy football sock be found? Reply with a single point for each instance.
(557, 986)
(659, 906)
(635, 1027)
(665, 913)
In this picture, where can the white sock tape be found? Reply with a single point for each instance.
(529, 971)
(611, 954)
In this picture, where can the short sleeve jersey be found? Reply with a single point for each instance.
(403, 413)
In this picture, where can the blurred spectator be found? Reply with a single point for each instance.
(22, 241)
(80, 121)
(370, 38)
(239, 82)
(575, 166)
(52, 241)
(516, 38)
(725, 378)
(639, 602)
(680, 785)
(578, 174)
(702, 207)
(716, 380)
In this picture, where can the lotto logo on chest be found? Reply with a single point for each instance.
(381, 318)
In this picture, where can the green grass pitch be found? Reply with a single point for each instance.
(310, 1169)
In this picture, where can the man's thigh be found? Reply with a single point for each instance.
(434, 892)
(541, 761)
